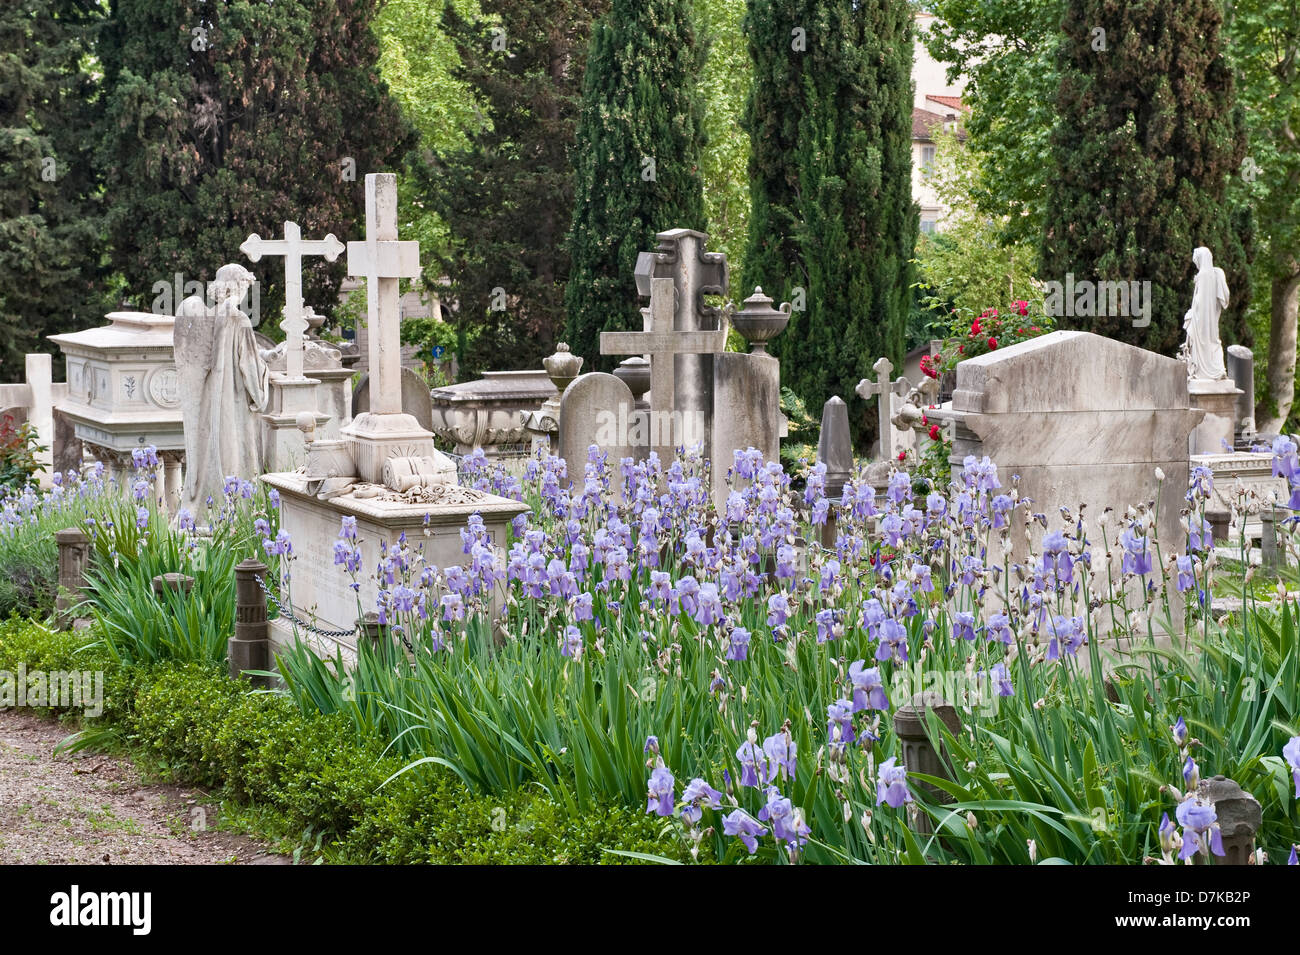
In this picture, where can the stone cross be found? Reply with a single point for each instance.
(383, 261)
(662, 343)
(681, 256)
(882, 388)
(293, 247)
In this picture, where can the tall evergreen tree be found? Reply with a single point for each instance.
(51, 279)
(640, 135)
(229, 118)
(830, 125)
(1146, 140)
(508, 197)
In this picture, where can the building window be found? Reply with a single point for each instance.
(927, 226)
(927, 158)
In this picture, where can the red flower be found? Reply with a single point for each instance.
(1021, 307)
(961, 349)
(993, 343)
(1020, 331)
(924, 420)
(902, 455)
(934, 432)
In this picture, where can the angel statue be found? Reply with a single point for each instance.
(223, 385)
(1203, 350)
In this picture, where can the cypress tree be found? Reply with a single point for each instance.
(1146, 140)
(51, 276)
(832, 223)
(508, 198)
(640, 135)
(229, 118)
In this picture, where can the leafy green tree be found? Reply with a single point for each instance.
(1265, 51)
(966, 266)
(1147, 140)
(1008, 53)
(639, 146)
(51, 274)
(507, 195)
(225, 119)
(725, 83)
(832, 223)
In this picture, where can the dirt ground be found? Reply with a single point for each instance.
(88, 808)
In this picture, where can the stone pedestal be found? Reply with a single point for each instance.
(320, 592)
(1218, 399)
(284, 449)
(485, 413)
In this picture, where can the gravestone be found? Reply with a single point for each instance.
(835, 446)
(383, 472)
(598, 409)
(1082, 419)
(415, 401)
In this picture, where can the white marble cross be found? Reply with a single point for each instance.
(662, 342)
(293, 247)
(882, 388)
(383, 261)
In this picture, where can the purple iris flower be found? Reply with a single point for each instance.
(660, 797)
(998, 627)
(453, 607)
(1191, 774)
(923, 581)
(1136, 560)
(696, 796)
(963, 627)
(971, 569)
(785, 557)
(709, 608)
(1056, 557)
(873, 615)
(891, 786)
(1067, 633)
(1186, 574)
(900, 487)
(980, 475)
(868, 687)
(738, 644)
(891, 529)
(142, 519)
(893, 641)
(744, 826)
(572, 646)
(1200, 828)
(755, 767)
(1292, 859)
(781, 750)
(1001, 506)
(828, 625)
(778, 609)
(582, 607)
(787, 821)
(839, 725)
(1286, 462)
(1179, 729)
(1291, 753)
(1200, 535)
(1002, 678)
(661, 588)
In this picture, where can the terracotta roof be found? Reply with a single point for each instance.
(952, 102)
(924, 122)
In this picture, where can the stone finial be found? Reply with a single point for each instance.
(562, 367)
(758, 322)
(835, 445)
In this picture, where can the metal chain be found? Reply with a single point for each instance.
(288, 615)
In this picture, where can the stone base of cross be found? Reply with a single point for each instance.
(384, 431)
(661, 342)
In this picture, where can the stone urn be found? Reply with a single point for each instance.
(635, 373)
(562, 367)
(758, 322)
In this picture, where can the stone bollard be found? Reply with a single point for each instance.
(918, 751)
(173, 583)
(1268, 549)
(74, 557)
(371, 629)
(250, 646)
(1239, 816)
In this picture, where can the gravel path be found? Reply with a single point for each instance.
(88, 808)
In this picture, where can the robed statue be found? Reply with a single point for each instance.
(1203, 350)
(224, 387)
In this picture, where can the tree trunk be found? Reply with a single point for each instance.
(1276, 406)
